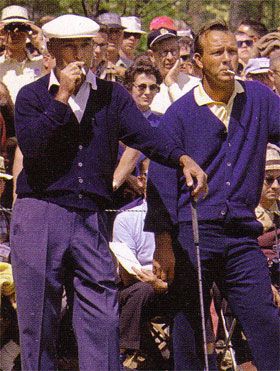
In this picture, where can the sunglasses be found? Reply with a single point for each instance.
(246, 42)
(142, 87)
(17, 27)
(185, 57)
(269, 180)
(136, 35)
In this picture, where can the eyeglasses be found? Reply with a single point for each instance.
(246, 42)
(101, 45)
(142, 87)
(269, 180)
(164, 53)
(185, 57)
(136, 35)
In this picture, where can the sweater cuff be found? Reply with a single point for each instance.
(176, 154)
(56, 111)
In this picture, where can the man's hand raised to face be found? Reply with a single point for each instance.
(70, 78)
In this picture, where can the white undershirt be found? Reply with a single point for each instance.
(78, 102)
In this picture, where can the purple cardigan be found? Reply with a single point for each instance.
(72, 164)
(234, 161)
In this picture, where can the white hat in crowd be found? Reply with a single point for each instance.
(257, 65)
(132, 24)
(272, 157)
(70, 26)
(14, 14)
(3, 173)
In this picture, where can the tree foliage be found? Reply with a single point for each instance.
(194, 12)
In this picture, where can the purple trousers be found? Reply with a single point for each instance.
(50, 247)
(231, 257)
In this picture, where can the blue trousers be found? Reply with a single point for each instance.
(230, 256)
(50, 247)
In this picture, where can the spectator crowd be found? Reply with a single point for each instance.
(155, 81)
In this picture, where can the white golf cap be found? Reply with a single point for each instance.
(257, 65)
(132, 24)
(70, 26)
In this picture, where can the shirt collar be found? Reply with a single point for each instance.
(90, 79)
(202, 98)
(147, 113)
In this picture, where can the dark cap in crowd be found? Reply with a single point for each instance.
(111, 20)
(159, 35)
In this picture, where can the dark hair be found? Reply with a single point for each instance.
(217, 25)
(141, 65)
(257, 27)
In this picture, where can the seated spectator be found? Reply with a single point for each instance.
(165, 54)
(141, 295)
(131, 38)
(274, 72)
(257, 69)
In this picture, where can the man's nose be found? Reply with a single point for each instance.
(78, 52)
(226, 56)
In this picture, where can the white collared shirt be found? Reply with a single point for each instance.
(219, 109)
(16, 74)
(78, 102)
(167, 95)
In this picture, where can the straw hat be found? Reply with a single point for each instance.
(272, 157)
(14, 14)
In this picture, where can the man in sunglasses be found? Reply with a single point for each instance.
(17, 66)
(165, 53)
(245, 47)
(268, 212)
(131, 38)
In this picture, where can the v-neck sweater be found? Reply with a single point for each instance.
(234, 160)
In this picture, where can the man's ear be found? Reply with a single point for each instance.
(150, 54)
(271, 78)
(197, 59)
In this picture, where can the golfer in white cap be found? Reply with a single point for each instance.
(68, 126)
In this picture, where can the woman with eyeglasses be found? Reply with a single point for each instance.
(142, 80)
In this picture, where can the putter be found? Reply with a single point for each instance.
(199, 276)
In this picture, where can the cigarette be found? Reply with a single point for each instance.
(83, 71)
(231, 72)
